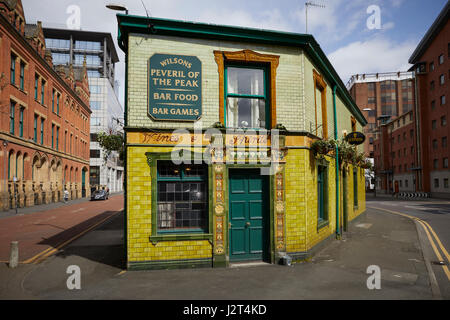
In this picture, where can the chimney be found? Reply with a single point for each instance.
(48, 57)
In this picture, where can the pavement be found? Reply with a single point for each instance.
(339, 271)
(44, 231)
(432, 219)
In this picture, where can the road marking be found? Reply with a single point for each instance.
(426, 227)
(438, 241)
(45, 256)
(364, 225)
(36, 256)
(78, 210)
(436, 251)
(48, 252)
(121, 272)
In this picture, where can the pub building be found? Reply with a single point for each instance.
(219, 123)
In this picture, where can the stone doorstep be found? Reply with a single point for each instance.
(249, 264)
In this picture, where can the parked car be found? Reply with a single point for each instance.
(100, 195)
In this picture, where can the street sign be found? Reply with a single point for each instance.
(355, 138)
(175, 87)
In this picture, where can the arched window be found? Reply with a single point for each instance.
(18, 166)
(25, 158)
(10, 164)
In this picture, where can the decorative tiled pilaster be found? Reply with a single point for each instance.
(280, 209)
(219, 254)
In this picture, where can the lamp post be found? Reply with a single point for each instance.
(117, 7)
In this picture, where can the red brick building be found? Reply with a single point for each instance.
(431, 60)
(381, 94)
(424, 130)
(44, 127)
(395, 154)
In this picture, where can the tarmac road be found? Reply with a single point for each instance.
(339, 271)
(433, 221)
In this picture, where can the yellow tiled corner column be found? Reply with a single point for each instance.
(141, 252)
(295, 172)
(302, 231)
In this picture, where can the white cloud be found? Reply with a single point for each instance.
(388, 26)
(372, 56)
(397, 3)
(337, 20)
(272, 20)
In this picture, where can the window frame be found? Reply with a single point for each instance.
(36, 87)
(43, 83)
(21, 119)
(53, 136)
(53, 100)
(355, 188)
(248, 56)
(13, 69)
(12, 116)
(35, 136)
(263, 97)
(155, 237)
(22, 76)
(180, 178)
(57, 138)
(42, 130)
(323, 217)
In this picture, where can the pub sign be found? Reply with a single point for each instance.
(175, 87)
(355, 138)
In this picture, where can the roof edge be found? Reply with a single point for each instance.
(429, 36)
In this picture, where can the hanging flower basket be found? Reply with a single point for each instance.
(321, 148)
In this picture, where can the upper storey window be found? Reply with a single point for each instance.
(246, 97)
(57, 43)
(88, 45)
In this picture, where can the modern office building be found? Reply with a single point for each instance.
(97, 48)
(240, 179)
(44, 127)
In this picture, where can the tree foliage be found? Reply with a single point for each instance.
(109, 143)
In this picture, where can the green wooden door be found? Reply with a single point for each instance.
(248, 215)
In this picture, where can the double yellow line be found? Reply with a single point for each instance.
(49, 251)
(428, 229)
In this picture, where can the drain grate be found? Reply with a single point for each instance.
(440, 263)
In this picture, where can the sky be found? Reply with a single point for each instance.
(349, 32)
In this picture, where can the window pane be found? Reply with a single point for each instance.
(246, 113)
(168, 170)
(245, 81)
(96, 105)
(182, 204)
